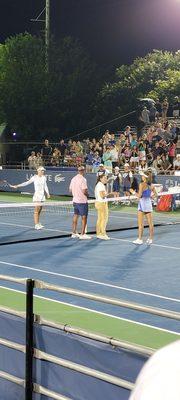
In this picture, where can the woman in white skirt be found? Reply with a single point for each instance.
(145, 209)
(40, 189)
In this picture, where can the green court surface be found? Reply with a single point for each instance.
(91, 321)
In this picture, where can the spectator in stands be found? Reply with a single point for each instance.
(96, 161)
(172, 153)
(152, 113)
(46, 152)
(165, 106)
(127, 152)
(165, 165)
(158, 108)
(99, 148)
(134, 160)
(107, 159)
(149, 158)
(127, 179)
(127, 133)
(86, 146)
(174, 130)
(156, 138)
(114, 156)
(39, 160)
(103, 169)
(157, 163)
(142, 166)
(62, 148)
(145, 116)
(89, 161)
(55, 160)
(32, 160)
(79, 148)
(176, 163)
(156, 150)
(142, 150)
(176, 107)
(133, 141)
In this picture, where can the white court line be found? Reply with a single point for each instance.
(96, 312)
(153, 244)
(32, 227)
(90, 281)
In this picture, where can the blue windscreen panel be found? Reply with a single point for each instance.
(77, 386)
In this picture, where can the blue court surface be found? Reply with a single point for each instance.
(147, 275)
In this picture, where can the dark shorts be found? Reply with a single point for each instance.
(116, 186)
(126, 188)
(81, 209)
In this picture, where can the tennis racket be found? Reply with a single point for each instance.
(5, 184)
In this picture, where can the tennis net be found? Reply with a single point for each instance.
(17, 225)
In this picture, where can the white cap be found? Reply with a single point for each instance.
(81, 168)
(41, 169)
(143, 174)
(126, 165)
(116, 168)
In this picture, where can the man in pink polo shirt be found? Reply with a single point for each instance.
(79, 190)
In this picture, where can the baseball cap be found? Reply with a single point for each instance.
(41, 169)
(101, 165)
(126, 165)
(117, 168)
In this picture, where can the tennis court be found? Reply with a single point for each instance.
(144, 274)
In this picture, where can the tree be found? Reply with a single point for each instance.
(157, 75)
(23, 82)
(38, 102)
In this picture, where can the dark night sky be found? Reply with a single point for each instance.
(113, 31)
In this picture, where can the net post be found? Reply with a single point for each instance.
(29, 340)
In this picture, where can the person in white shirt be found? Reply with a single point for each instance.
(40, 189)
(101, 206)
(159, 379)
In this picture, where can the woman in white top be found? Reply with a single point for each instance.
(40, 189)
(101, 206)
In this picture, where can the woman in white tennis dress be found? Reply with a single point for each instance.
(40, 189)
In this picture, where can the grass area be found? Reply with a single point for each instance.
(92, 321)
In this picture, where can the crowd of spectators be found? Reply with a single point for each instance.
(155, 147)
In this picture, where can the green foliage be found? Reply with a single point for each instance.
(35, 100)
(157, 75)
(71, 95)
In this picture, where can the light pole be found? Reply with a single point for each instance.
(45, 10)
(47, 32)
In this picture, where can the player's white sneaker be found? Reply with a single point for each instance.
(103, 237)
(38, 226)
(149, 241)
(75, 235)
(42, 226)
(138, 241)
(85, 237)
